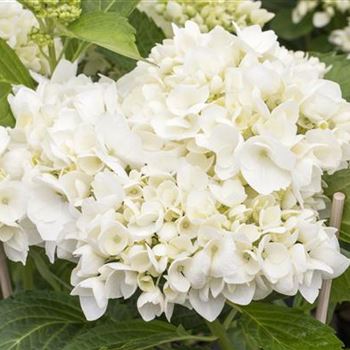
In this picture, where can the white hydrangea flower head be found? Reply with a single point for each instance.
(207, 14)
(323, 10)
(341, 38)
(191, 181)
(16, 24)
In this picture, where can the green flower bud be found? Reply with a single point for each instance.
(40, 38)
(64, 11)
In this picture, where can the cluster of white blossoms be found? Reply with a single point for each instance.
(341, 38)
(207, 14)
(324, 10)
(16, 24)
(191, 181)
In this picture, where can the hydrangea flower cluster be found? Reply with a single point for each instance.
(341, 38)
(190, 181)
(324, 10)
(16, 25)
(207, 14)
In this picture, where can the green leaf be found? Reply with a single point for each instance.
(122, 7)
(339, 64)
(122, 310)
(341, 288)
(277, 5)
(71, 48)
(6, 117)
(275, 327)
(130, 335)
(320, 43)
(147, 36)
(42, 265)
(54, 321)
(108, 30)
(188, 319)
(39, 320)
(12, 70)
(240, 340)
(147, 33)
(340, 182)
(284, 27)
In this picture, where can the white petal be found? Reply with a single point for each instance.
(91, 309)
(241, 294)
(4, 139)
(176, 279)
(209, 309)
(187, 99)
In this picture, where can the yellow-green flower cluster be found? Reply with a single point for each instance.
(207, 14)
(64, 11)
(40, 38)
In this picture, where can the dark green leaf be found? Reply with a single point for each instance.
(275, 327)
(108, 30)
(122, 310)
(147, 36)
(240, 340)
(284, 27)
(59, 271)
(122, 7)
(130, 335)
(341, 288)
(12, 70)
(6, 117)
(320, 43)
(147, 33)
(54, 321)
(72, 47)
(43, 267)
(340, 182)
(39, 320)
(277, 5)
(188, 319)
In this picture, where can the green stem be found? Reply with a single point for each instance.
(81, 48)
(44, 54)
(52, 57)
(219, 331)
(27, 276)
(49, 27)
(64, 49)
(229, 318)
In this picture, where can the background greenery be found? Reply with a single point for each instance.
(41, 314)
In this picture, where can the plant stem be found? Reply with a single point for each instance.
(219, 331)
(229, 318)
(27, 275)
(64, 49)
(44, 54)
(52, 57)
(5, 281)
(48, 27)
(83, 46)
